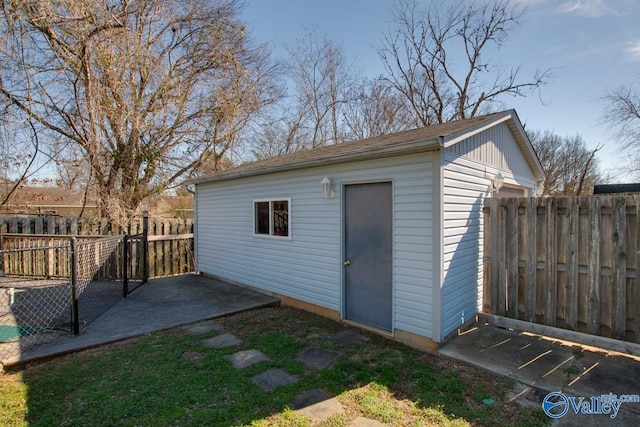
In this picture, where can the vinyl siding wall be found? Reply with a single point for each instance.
(469, 167)
(309, 266)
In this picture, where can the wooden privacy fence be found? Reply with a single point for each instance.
(39, 256)
(169, 242)
(565, 262)
(170, 248)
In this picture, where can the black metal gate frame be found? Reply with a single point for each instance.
(144, 239)
(126, 260)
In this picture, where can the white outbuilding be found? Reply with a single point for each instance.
(385, 233)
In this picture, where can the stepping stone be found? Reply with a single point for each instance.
(245, 358)
(309, 398)
(321, 410)
(348, 338)
(272, 378)
(219, 341)
(366, 422)
(202, 327)
(317, 357)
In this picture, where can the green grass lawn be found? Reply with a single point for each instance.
(171, 379)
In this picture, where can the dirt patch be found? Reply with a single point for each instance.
(286, 321)
(193, 355)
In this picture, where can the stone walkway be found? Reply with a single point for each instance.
(317, 405)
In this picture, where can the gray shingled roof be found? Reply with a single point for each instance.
(405, 142)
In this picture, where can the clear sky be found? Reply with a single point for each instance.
(591, 46)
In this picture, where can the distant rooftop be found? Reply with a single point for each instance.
(48, 197)
(616, 188)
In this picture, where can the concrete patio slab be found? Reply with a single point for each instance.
(547, 365)
(273, 378)
(159, 304)
(318, 358)
(245, 358)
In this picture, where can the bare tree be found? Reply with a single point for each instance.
(281, 135)
(72, 167)
(20, 145)
(322, 77)
(375, 108)
(148, 89)
(437, 59)
(20, 151)
(571, 169)
(622, 113)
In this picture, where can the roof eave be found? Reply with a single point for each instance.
(411, 147)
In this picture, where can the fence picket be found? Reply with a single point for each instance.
(486, 268)
(152, 250)
(39, 225)
(166, 249)
(531, 266)
(593, 309)
(13, 225)
(550, 302)
(636, 324)
(618, 322)
(571, 296)
(26, 226)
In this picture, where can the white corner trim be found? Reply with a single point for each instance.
(438, 245)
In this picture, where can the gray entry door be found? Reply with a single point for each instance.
(368, 254)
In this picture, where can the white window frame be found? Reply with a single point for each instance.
(272, 234)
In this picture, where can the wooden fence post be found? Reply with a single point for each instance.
(125, 266)
(512, 258)
(501, 246)
(75, 315)
(3, 254)
(145, 247)
(495, 255)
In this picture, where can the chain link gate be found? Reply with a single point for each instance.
(58, 287)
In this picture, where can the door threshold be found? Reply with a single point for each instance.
(369, 328)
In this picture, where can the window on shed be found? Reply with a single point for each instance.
(506, 192)
(262, 217)
(271, 217)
